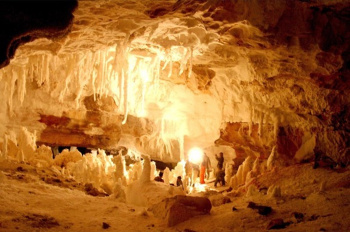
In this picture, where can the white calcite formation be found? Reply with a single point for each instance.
(22, 148)
(243, 173)
(106, 173)
(180, 79)
(272, 160)
(145, 192)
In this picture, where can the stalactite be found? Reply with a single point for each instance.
(80, 82)
(41, 74)
(125, 98)
(37, 70)
(261, 121)
(250, 123)
(170, 67)
(99, 73)
(190, 68)
(94, 76)
(47, 72)
(183, 62)
(12, 90)
(31, 71)
(104, 73)
(143, 96)
(109, 66)
(166, 62)
(21, 85)
(4, 146)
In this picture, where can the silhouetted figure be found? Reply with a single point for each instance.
(220, 160)
(220, 178)
(220, 173)
(179, 182)
(159, 178)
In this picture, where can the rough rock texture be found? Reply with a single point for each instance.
(219, 200)
(98, 126)
(181, 208)
(169, 75)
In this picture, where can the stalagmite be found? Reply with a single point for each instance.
(161, 78)
(247, 167)
(271, 161)
(252, 191)
(239, 175)
(274, 191)
(119, 168)
(138, 170)
(67, 156)
(306, 151)
(153, 172)
(20, 156)
(256, 168)
(166, 174)
(26, 144)
(228, 172)
(234, 182)
(43, 155)
(146, 172)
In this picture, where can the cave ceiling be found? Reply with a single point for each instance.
(160, 77)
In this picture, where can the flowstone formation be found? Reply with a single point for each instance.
(242, 77)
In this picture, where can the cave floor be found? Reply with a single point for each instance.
(33, 199)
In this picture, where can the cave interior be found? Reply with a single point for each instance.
(100, 97)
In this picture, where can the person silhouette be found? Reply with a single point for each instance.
(159, 178)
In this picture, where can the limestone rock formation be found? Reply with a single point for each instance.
(181, 208)
(160, 77)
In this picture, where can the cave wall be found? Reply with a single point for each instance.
(249, 75)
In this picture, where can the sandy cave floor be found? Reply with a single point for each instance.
(34, 199)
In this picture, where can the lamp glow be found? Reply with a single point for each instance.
(195, 155)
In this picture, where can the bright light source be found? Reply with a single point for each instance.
(195, 155)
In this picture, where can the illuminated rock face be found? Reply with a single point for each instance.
(161, 77)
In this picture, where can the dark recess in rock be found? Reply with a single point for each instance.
(34, 19)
